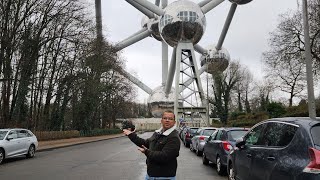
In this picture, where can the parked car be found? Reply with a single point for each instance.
(199, 140)
(218, 146)
(281, 148)
(17, 142)
(181, 131)
(188, 134)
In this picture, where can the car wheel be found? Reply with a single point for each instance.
(205, 161)
(220, 167)
(191, 147)
(198, 152)
(186, 144)
(31, 151)
(231, 175)
(1, 156)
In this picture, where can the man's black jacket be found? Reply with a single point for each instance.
(162, 153)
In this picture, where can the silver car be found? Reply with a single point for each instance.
(200, 138)
(17, 142)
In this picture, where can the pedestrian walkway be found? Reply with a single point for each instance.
(53, 144)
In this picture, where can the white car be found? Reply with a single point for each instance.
(17, 142)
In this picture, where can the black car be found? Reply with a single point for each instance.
(218, 146)
(278, 149)
(188, 134)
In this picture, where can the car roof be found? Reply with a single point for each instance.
(12, 129)
(302, 121)
(208, 128)
(234, 128)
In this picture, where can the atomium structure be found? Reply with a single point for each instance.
(181, 25)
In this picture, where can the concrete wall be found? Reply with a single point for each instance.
(147, 124)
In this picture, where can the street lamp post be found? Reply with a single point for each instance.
(308, 61)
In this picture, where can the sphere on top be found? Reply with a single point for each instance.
(152, 25)
(183, 21)
(240, 1)
(158, 102)
(217, 61)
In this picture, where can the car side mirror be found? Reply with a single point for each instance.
(240, 143)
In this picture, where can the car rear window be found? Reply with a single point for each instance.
(208, 132)
(2, 134)
(315, 133)
(194, 130)
(235, 134)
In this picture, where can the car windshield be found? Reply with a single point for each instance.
(315, 132)
(235, 134)
(208, 132)
(2, 134)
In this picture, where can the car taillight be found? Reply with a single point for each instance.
(314, 165)
(187, 134)
(226, 145)
(201, 138)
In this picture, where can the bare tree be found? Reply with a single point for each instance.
(223, 85)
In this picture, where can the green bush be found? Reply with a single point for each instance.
(276, 109)
(53, 135)
(235, 115)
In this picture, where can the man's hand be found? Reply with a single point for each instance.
(127, 131)
(143, 149)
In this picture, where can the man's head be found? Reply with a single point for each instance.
(168, 119)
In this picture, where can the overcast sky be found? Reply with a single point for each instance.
(247, 37)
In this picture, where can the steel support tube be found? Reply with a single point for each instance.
(136, 81)
(171, 73)
(200, 49)
(204, 2)
(226, 25)
(145, 11)
(311, 99)
(133, 39)
(164, 62)
(152, 7)
(209, 6)
(157, 2)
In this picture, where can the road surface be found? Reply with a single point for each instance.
(114, 159)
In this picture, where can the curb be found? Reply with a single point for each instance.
(74, 144)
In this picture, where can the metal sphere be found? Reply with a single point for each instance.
(240, 1)
(158, 102)
(182, 21)
(152, 25)
(217, 61)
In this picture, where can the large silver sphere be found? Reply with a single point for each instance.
(152, 25)
(182, 21)
(217, 61)
(240, 1)
(158, 102)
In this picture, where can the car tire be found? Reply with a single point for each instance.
(199, 153)
(31, 151)
(231, 174)
(220, 168)
(205, 161)
(191, 147)
(1, 155)
(186, 144)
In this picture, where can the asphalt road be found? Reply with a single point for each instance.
(114, 159)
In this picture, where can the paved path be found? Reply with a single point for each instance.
(53, 144)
